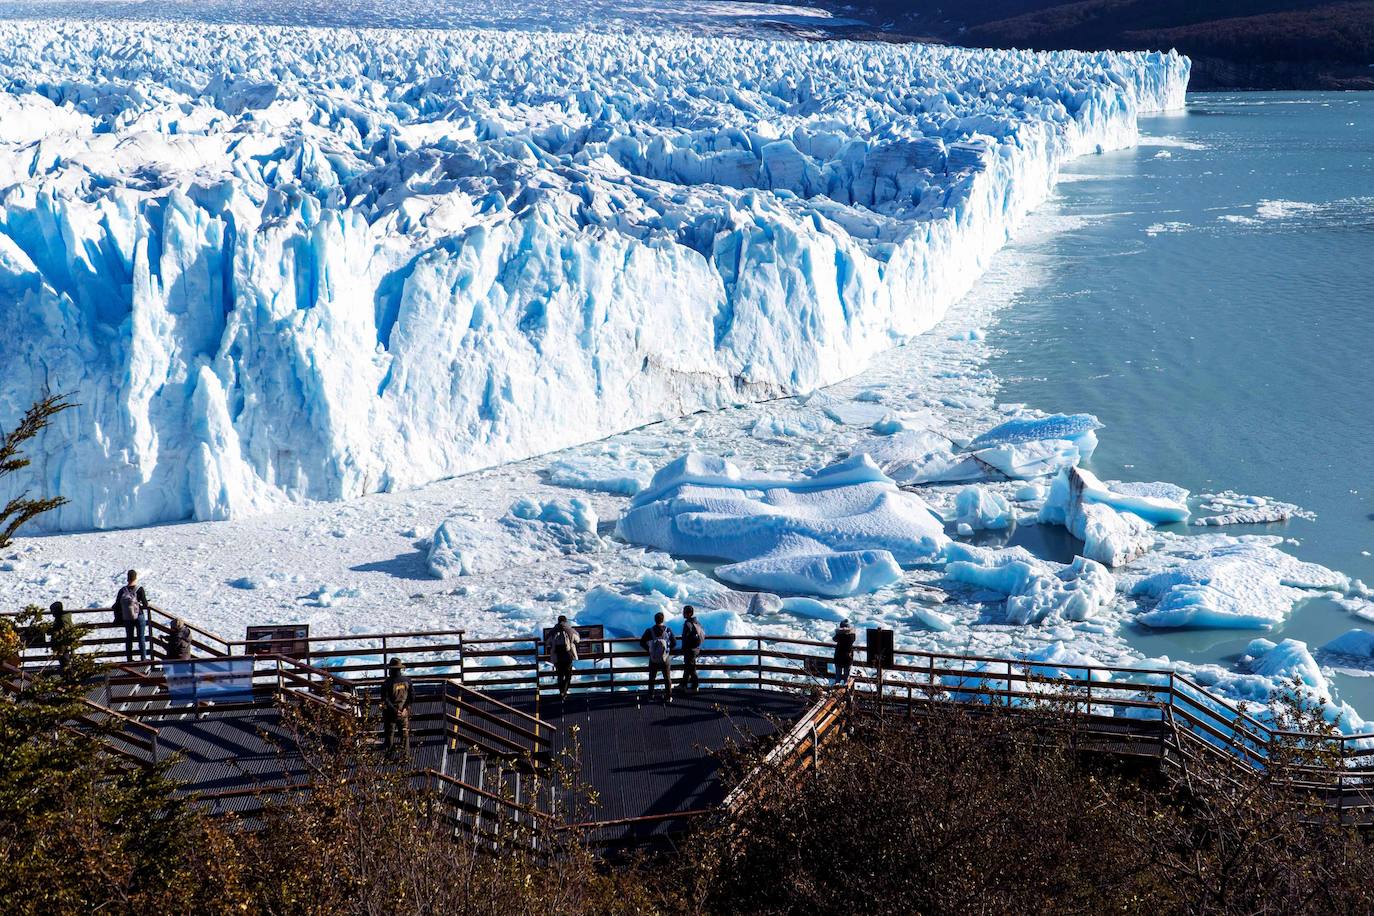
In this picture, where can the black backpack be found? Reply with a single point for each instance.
(693, 634)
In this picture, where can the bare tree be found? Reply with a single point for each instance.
(21, 510)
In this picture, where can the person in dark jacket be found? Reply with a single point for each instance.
(179, 640)
(844, 650)
(397, 693)
(64, 637)
(562, 648)
(659, 642)
(693, 635)
(131, 609)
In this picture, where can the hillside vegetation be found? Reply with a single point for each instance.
(1253, 44)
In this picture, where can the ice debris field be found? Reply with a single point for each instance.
(299, 279)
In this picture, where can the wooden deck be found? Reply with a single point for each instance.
(645, 760)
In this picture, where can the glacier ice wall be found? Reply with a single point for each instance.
(293, 264)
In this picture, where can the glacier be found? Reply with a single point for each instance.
(280, 265)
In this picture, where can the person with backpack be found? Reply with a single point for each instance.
(844, 638)
(179, 640)
(563, 649)
(397, 693)
(693, 635)
(659, 642)
(131, 609)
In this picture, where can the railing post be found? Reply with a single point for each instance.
(385, 660)
(535, 645)
(462, 661)
(610, 656)
(1340, 786)
(1090, 692)
(758, 660)
(1007, 695)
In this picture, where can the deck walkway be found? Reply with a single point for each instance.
(646, 760)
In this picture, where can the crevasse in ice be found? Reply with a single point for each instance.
(286, 264)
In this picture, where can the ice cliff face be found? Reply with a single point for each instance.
(287, 264)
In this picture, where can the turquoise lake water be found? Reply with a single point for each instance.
(1210, 301)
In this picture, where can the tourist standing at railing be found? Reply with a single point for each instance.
(659, 642)
(63, 640)
(844, 638)
(693, 635)
(179, 640)
(397, 692)
(563, 649)
(131, 609)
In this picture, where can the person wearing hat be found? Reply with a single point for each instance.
(844, 638)
(397, 692)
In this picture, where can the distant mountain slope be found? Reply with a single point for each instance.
(1233, 43)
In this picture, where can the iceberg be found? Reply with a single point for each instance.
(1354, 643)
(980, 508)
(1076, 428)
(279, 265)
(1114, 523)
(839, 531)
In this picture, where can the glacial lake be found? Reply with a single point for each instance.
(1209, 299)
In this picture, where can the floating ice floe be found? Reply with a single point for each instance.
(470, 545)
(1237, 509)
(1242, 584)
(839, 531)
(1020, 449)
(1037, 591)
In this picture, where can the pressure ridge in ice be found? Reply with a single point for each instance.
(279, 264)
(842, 530)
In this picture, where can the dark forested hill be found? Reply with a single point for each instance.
(1261, 44)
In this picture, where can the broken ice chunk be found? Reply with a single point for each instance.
(1114, 524)
(981, 508)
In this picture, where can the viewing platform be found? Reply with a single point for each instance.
(488, 731)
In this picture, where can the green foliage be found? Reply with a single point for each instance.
(21, 510)
(79, 829)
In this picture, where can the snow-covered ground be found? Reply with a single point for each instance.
(297, 276)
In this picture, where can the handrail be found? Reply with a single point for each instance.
(932, 670)
(533, 720)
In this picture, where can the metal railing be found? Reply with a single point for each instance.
(1160, 712)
